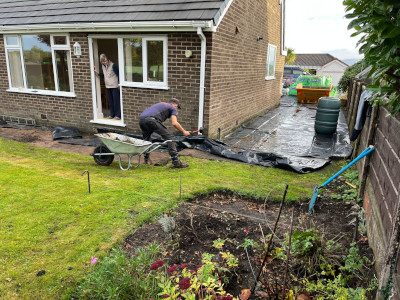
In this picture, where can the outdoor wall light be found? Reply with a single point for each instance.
(188, 53)
(77, 49)
(259, 38)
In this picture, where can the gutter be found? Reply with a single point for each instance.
(109, 27)
(202, 77)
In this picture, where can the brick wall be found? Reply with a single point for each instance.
(382, 195)
(183, 81)
(238, 90)
(235, 86)
(59, 110)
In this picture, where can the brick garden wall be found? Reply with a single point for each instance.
(382, 193)
(239, 90)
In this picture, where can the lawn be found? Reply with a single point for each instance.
(49, 222)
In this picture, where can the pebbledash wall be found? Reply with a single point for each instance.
(381, 171)
(239, 90)
(235, 88)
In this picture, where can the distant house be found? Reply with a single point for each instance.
(223, 58)
(323, 64)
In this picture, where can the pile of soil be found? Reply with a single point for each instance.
(233, 218)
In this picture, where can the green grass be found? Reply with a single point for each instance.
(49, 221)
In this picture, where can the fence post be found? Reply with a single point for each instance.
(349, 92)
(351, 100)
(356, 97)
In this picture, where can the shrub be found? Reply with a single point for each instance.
(118, 277)
(377, 23)
(349, 73)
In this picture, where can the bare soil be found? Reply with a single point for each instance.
(43, 138)
(233, 218)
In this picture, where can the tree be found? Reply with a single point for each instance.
(378, 24)
(290, 57)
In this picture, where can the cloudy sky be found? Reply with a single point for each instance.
(319, 26)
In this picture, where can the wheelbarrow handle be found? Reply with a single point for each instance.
(364, 153)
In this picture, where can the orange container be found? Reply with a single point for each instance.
(311, 94)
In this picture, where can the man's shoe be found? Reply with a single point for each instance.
(178, 164)
(116, 118)
(147, 160)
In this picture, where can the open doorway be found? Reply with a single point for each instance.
(108, 46)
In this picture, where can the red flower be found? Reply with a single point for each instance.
(164, 296)
(225, 297)
(172, 269)
(199, 266)
(245, 231)
(184, 284)
(155, 265)
(192, 271)
(184, 266)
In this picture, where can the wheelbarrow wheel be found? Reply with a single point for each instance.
(103, 160)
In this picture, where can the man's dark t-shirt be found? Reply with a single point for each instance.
(160, 111)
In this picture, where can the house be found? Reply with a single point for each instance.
(323, 64)
(223, 58)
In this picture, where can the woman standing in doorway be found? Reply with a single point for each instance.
(111, 77)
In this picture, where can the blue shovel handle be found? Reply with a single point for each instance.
(364, 153)
(315, 194)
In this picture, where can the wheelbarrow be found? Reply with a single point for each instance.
(117, 144)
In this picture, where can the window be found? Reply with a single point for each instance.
(271, 60)
(145, 62)
(39, 63)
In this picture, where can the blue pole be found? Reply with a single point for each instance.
(364, 153)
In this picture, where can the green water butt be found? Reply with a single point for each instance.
(327, 116)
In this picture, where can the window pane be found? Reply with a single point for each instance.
(133, 60)
(62, 61)
(155, 61)
(38, 62)
(60, 40)
(271, 61)
(14, 60)
(12, 41)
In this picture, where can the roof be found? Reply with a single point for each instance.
(317, 60)
(28, 12)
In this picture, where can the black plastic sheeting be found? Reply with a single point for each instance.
(288, 131)
(65, 132)
(219, 148)
(265, 159)
(283, 137)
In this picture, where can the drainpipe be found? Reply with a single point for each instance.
(202, 76)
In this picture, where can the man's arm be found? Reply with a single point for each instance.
(178, 126)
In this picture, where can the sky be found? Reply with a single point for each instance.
(319, 26)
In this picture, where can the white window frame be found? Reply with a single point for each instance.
(269, 76)
(146, 83)
(283, 26)
(54, 47)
